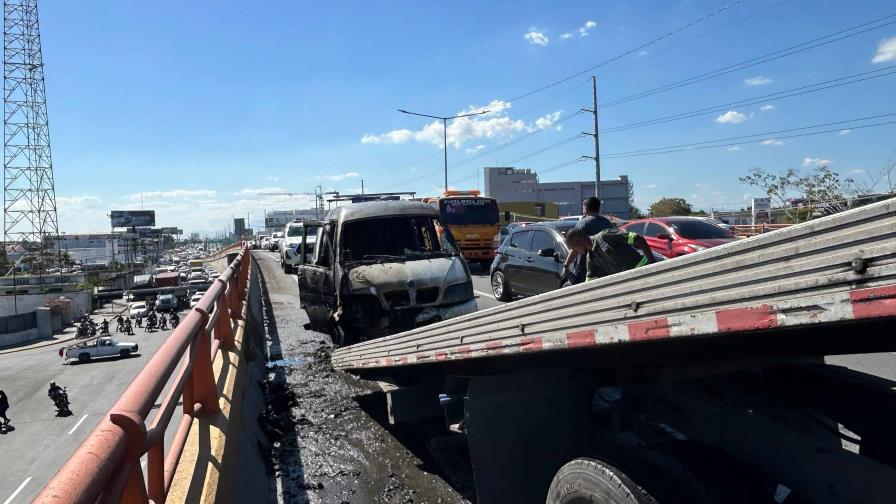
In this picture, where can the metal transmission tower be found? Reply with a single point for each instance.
(29, 196)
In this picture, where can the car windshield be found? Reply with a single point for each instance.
(395, 238)
(294, 231)
(699, 230)
(456, 211)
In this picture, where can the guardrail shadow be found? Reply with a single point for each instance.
(277, 421)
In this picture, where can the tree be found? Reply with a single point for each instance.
(635, 213)
(666, 207)
(820, 185)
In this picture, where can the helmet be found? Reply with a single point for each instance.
(52, 384)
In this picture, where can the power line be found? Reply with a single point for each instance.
(765, 58)
(631, 51)
(771, 135)
(798, 91)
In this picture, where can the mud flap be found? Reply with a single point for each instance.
(521, 428)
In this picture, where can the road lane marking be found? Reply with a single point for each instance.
(486, 294)
(77, 424)
(13, 496)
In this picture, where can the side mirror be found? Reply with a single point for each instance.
(547, 252)
(664, 236)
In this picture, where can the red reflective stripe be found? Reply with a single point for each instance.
(648, 329)
(531, 344)
(874, 302)
(464, 351)
(585, 337)
(403, 360)
(441, 355)
(389, 361)
(749, 318)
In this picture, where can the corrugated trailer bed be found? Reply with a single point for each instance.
(832, 271)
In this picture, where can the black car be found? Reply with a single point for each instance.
(530, 260)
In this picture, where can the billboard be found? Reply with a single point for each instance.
(133, 218)
(761, 210)
(171, 231)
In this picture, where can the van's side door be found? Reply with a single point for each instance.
(315, 274)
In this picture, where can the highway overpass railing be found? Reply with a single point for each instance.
(106, 467)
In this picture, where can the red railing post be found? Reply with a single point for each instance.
(202, 378)
(223, 326)
(155, 471)
(135, 432)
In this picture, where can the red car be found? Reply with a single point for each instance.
(675, 236)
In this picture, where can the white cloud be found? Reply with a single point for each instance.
(810, 161)
(495, 124)
(565, 36)
(254, 192)
(731, 117)
(474, 150)
(536, 37)
(886, 51)
(650, 186)
(767, 108)
(772, 141)
(396, 137)
(733, 148)
(80, 201)
(585, 28)
(642, 53)
(173, 194)
(857, 171)
(757, 81)
(272, 178)
(547, 120)
(844, 132)
(341, 176)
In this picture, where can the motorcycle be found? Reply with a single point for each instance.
(60, 400)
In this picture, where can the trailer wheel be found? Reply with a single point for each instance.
(84, 357)
(585, 481)
(500, 288)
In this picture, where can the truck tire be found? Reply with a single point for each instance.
(586, 480)
(500, 287)
(343, 337)
(84, 357)
(124, 354)
(485, 265)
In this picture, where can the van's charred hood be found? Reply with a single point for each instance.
(419, 274)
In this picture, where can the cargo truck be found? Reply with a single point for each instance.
(695, 380)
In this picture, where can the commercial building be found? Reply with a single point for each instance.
(239, 228)
(274, 220)
(91, 248)
(509, 185)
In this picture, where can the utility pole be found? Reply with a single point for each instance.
(445, 132)
(596, 156)
(362, 187)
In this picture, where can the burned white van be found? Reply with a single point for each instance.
(378, 268)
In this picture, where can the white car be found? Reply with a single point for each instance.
(139, 308)
(194, 300)
(290, 245)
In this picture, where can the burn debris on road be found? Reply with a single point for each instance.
(326, 446)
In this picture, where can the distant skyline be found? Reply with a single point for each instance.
(197, 109)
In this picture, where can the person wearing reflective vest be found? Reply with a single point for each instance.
(610, 251)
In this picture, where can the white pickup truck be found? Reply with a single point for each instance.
(104, 346)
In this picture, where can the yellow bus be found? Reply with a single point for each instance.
(473, 222)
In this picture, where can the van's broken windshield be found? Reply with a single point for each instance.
(397, 238)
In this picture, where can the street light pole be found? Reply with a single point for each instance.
(445, 132)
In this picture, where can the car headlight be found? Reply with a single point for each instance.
(458, 293)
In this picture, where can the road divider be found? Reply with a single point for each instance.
(18, 490)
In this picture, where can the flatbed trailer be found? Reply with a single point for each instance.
(699, 379)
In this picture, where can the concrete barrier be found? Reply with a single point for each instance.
(205, 473)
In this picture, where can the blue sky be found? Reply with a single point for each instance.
(202, 105)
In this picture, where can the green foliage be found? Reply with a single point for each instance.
(635, 213)
(818, 185)
(666, 207)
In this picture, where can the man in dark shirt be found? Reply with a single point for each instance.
(610, 251)
(591, 223)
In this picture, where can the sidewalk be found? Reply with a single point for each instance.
(68, 333)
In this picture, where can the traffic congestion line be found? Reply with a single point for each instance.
(14, 494)
(77, 424)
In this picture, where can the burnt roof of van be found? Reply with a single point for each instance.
(371, 209)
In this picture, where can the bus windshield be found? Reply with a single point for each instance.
(457, 211)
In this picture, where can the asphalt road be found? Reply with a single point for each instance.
(42, 442)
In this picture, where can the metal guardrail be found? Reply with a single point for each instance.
(106, 467)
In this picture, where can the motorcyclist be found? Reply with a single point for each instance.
(104, 326)
(175, 319)
(139, 320)
(119, 323)
(59, 398)
(163, 322)
(128, 328)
